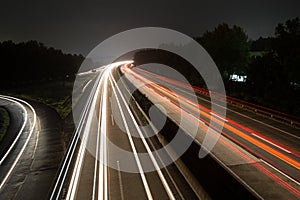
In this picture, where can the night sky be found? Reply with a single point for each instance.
(78, 26)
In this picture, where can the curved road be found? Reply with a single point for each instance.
(33, 162)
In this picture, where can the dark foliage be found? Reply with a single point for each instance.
(229, 47)
(262, 44)
(172, 60)
(32, 63)
(273, 77)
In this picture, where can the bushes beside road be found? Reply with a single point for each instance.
(4, 122)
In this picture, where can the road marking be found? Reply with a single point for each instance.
(223, 119)
(112, 119)
(120, 181)
(21, 130)
(79, 161)
(264, 146)
(271, 143)
(160, 174)
(287, 176)
(270, 126)
(83, 89)
(25, 144)
(144, 180)
(157, 154)
(97, 153)
(68, 158)
(102, 188)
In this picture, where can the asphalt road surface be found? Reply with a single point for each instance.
(275, 145)
(111, 155)
(97, 170)
(30, 167)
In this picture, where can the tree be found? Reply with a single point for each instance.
(273, 76)
(287, 46)
(229, 48)
(262, 44)
(32, 62)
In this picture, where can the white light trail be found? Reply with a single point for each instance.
(26, 142)
(139, 165)
(161, 176)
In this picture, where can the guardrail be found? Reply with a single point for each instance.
(295, 121)
(289, 119)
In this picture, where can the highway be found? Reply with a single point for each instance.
(111, 155)
(16, 143)
(281, 142)
(31, 151)
(96, 172)
(276, 145)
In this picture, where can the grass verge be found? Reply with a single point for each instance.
(56, 94)
(4, 122)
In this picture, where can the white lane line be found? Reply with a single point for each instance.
(120, 181)
(26, 142)
(112, 120)
(78, 164)
(159, 157)
(68, 158)
(231, 172)
(79, 161)
(97, 159)
(271, 143)
(144, 180)
(21, 130)
(83, 89)
(97, 154)
(69, 155)
(287, 176)
(223, 119)
(160, 174)
(245, 116)
(102, 188)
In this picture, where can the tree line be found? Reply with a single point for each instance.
(271, 65)
(32, 62)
